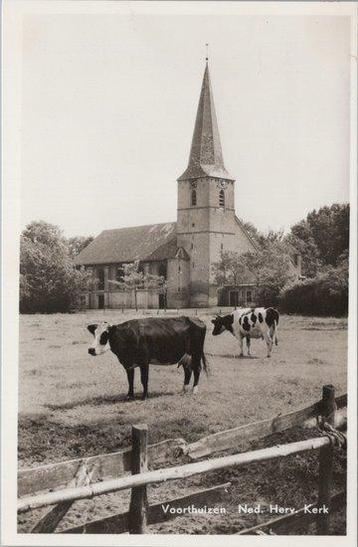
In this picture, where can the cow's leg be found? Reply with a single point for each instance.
(144, 373)
(187, 376)
(241, 342)
(130, 376)
(248, 343)
(196, 370)
(268, 341)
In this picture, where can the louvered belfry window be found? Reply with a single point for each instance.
(193, 198)
(222, 198)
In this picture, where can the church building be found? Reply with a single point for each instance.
(182, 251)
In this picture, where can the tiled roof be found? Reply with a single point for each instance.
(169, 249)
(206, 157)
(150, 242)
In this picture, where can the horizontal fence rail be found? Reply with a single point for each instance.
(224, 440)
(99, 467)
(171, 473)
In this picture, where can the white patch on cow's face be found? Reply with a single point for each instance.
(101, 339)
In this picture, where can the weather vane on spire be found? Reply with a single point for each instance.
(207, 52)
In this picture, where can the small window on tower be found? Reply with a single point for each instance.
(222, 198)
(193, 198)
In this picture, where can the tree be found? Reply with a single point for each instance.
(76, 244)
(230, 270)
(41, 232)
(273, 270)
(134, 279)
(48, 280)
(268, 268)
(322, 237)
(307, 248)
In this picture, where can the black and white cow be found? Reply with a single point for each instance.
(159, 341)
(250, 323)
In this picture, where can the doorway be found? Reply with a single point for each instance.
(162, 301)
(101, 301)
(234, 298)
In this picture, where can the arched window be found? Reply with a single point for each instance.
(222, 198)
(193, 198)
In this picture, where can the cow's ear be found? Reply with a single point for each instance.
(92, 328)
(213, 321)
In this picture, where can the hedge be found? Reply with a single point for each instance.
(324, 295)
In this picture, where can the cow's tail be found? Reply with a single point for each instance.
(275, 333)
(276, 320)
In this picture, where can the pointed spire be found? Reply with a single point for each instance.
(206, 157)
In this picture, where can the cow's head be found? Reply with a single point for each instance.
(222, 323)
(101, 338)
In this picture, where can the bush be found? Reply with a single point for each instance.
(325, 295)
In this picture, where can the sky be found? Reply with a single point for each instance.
(109, 104)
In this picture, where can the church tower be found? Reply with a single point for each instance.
(206, 223)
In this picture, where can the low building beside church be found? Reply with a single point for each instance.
(182, 251)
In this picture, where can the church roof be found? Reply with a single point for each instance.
(206, 157)
(150, 242)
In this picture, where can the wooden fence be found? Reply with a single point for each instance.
(88, 477)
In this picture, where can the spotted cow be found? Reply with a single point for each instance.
(250, 323)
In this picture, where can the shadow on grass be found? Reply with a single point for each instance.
(232, 356)
(109, 399)
(40, 440)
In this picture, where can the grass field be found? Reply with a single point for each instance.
(71, 405)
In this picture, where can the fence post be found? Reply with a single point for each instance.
(137, 519)
(326, 455)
